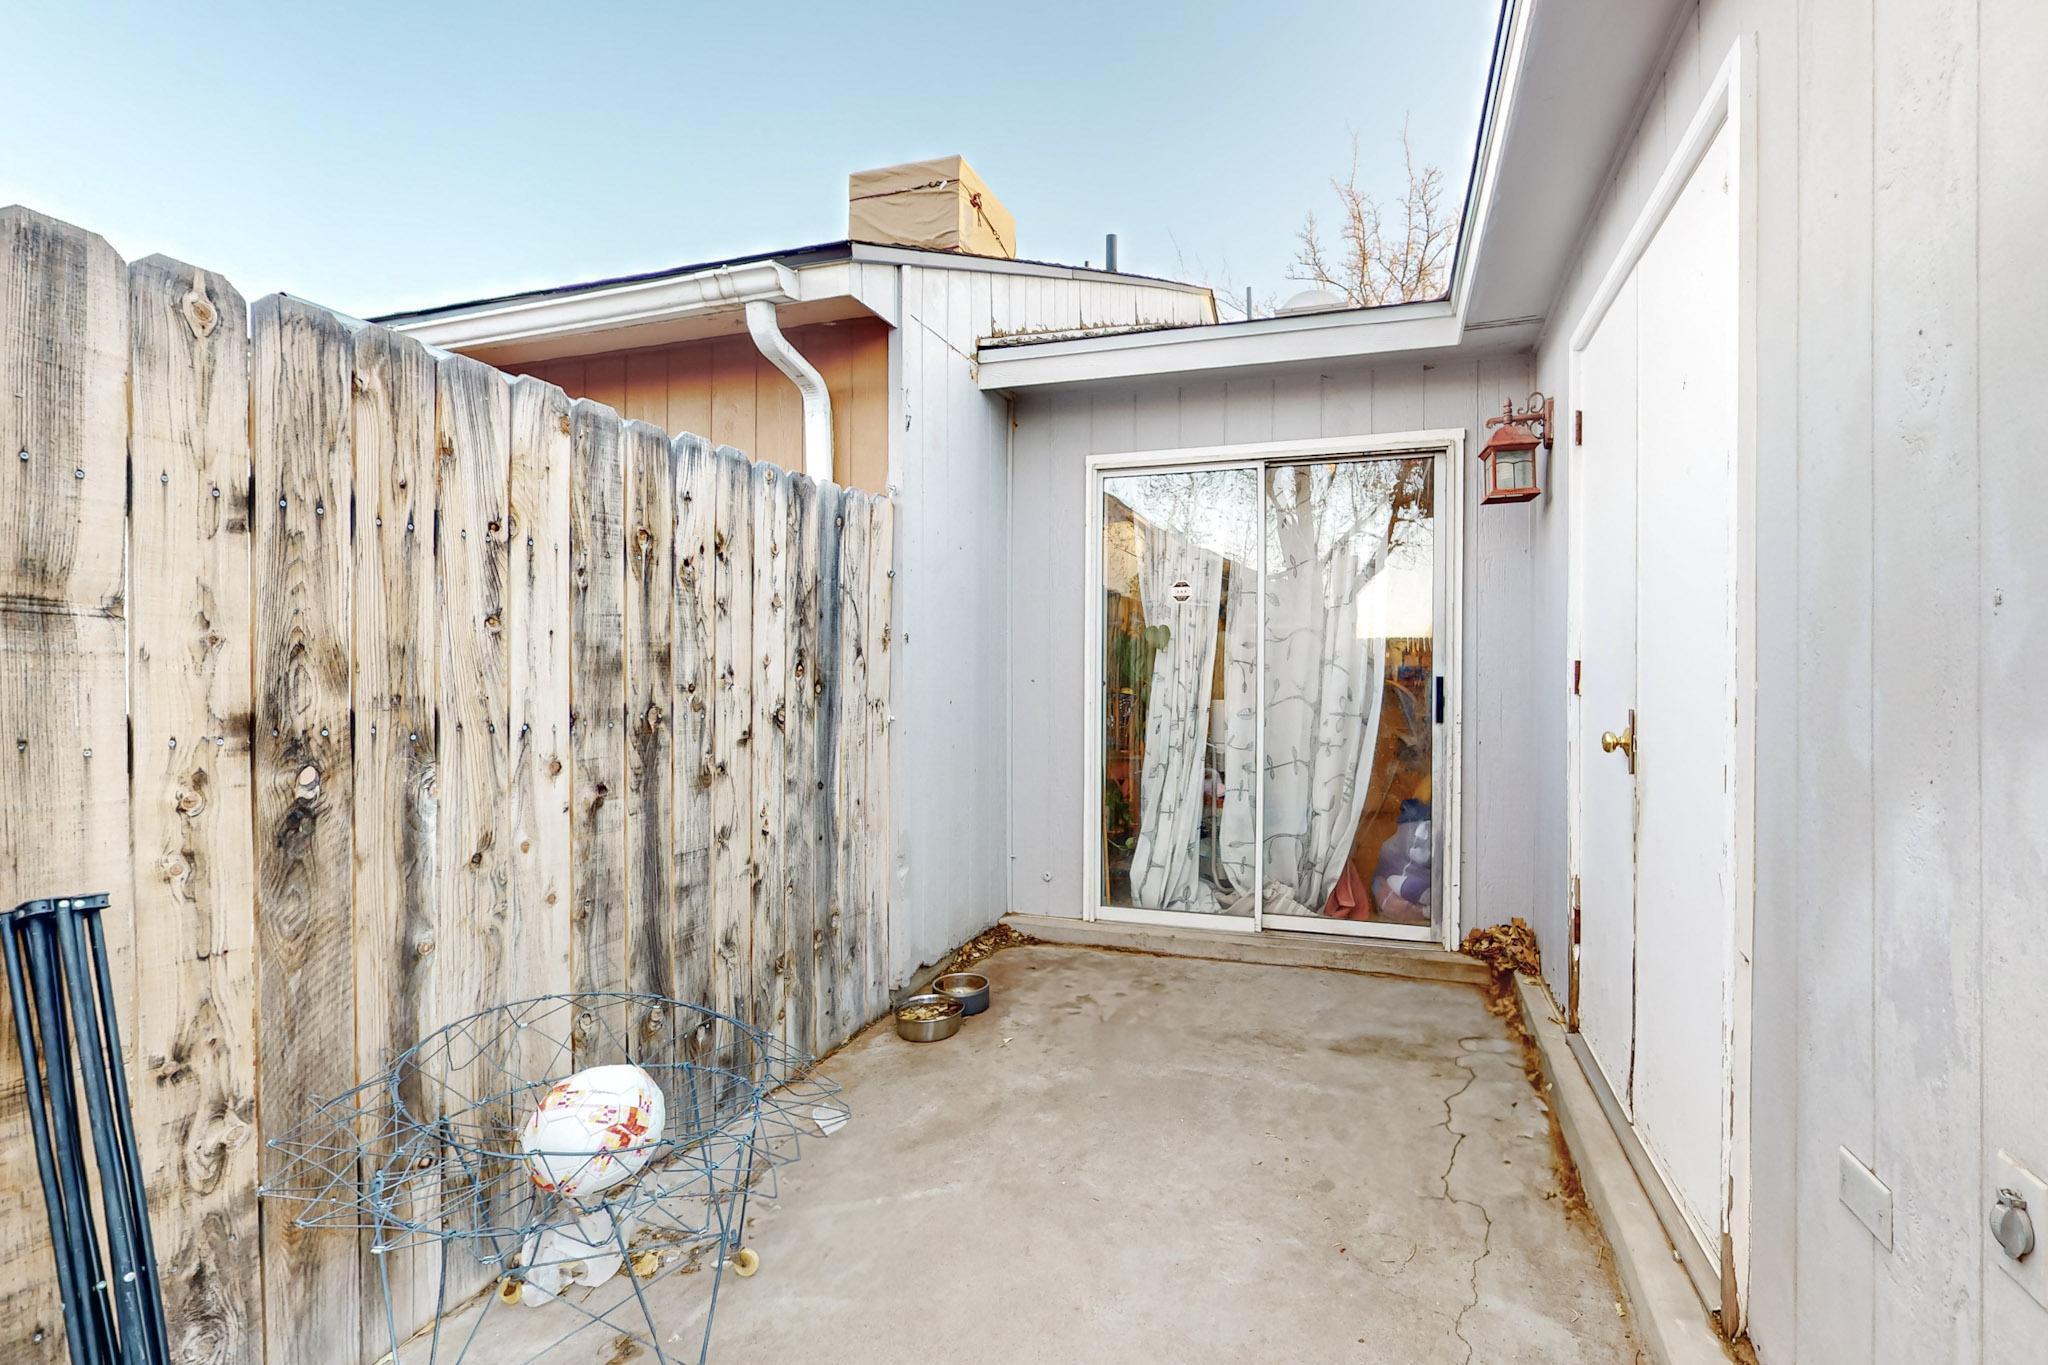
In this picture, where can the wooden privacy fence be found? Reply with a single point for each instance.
(379, 689)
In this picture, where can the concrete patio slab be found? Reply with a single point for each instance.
(1151, 1158)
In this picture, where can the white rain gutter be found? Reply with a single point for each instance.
(760, 287)
(768, 337)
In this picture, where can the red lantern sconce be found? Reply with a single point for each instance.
(1510, 453)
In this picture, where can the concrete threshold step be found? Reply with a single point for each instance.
(1670, 1318)
(1275, 950)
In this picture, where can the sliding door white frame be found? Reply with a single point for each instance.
(1446, 760)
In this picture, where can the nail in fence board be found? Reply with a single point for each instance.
(192, 1032)
(397, 913)
(300, 362)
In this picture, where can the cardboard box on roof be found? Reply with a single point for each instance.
(940, 205)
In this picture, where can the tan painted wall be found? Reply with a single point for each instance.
(726, 391)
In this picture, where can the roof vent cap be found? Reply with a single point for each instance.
(1310, 301)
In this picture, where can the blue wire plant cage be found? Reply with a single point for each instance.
(499, 1234)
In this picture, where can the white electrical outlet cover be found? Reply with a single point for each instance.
(1869, 1198)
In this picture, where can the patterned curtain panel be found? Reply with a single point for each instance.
(1324, 687)
(1181, 587)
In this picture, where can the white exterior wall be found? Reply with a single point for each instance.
(1900, 960)
(949, 475)
(1055, 434)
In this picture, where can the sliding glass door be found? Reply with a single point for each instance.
(1180, 571)
(1269, 695)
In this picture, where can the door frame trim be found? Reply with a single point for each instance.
(1730, 102)
(1448, 446)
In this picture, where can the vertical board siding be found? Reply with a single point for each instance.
(188, 640)
(445, 692)
(63, 653)
(300, 366)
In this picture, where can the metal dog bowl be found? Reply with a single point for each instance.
(929, 1030)
(969, 988)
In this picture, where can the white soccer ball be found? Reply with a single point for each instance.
(593, 1130)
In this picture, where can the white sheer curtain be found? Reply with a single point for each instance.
(1166, 858)
(1325, 681)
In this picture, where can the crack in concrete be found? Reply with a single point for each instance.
(1486, 1240)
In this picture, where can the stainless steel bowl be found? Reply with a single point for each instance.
(969, 988)
(929, 1030)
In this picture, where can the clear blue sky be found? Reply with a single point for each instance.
(376, 156)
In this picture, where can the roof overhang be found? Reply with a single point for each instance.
(1568, 83)
(830, 283)
(657, 310)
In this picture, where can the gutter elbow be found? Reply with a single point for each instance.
(766, 331)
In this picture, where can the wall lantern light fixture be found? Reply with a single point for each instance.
(1510, 453)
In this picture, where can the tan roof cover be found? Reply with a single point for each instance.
(940, 205)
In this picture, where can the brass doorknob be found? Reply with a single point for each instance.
(1625, 742)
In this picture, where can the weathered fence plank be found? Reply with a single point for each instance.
(193, 1031)
(64, 825)
(391, 428)
(828, 922)
(696, 606)
(472, 572)
(849, 930)
(597, 699)
(875, 750)
(650, 683)
(732, 800)
(300, 362)
(537, 630)
(770, 970)
(800, 808)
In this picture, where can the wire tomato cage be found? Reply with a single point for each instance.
(495, 1241)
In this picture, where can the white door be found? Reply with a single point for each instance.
(1655, 578)
(1605, 462)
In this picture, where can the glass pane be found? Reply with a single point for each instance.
(1349, 690)
(1180, 649)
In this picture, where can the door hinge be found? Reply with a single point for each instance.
(1578, 672)
(1578, 426)
(1575, 910)
(1439, 699)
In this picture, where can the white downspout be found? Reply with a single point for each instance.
(767, 334)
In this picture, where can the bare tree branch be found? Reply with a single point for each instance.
(1375, 261)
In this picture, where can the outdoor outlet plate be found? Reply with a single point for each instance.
(2031, 1270)
(1869, 1198)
